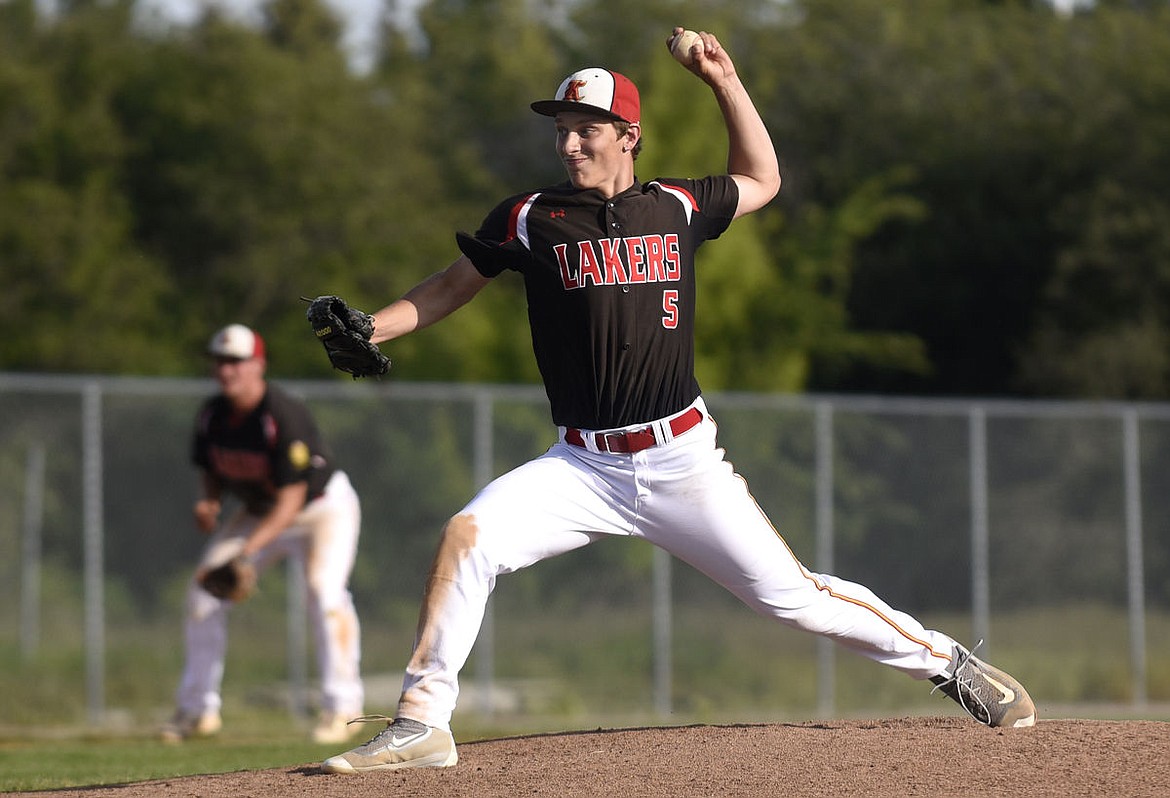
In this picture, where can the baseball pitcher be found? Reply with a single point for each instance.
(608, 264)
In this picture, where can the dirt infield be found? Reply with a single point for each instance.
(877, 759)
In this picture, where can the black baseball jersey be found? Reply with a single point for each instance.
(611, 290)
(277, 444)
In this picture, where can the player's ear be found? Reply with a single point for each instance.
(630, 138)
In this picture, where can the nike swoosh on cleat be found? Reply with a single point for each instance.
(399, 742)
(1009, 695)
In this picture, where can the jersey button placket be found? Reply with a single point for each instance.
(614, 224)
(625, 289)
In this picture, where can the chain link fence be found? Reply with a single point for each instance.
(1038, 527)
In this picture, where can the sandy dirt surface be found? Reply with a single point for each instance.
(874, 758)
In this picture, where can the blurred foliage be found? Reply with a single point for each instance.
(973, 200)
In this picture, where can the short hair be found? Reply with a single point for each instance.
(623, 127)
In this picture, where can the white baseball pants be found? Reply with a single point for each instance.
(681, 496)
(323, 539)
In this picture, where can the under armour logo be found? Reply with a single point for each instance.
(573, 91)
(559, 213)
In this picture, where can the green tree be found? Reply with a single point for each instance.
(1103, 328)
(73, 272)
(955, 174)
(1102, 325)
(1002, 113)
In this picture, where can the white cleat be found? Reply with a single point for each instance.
(989, 695)
(333, 728)
(404, 743)
(184, 725)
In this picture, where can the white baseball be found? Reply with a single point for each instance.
(680, 48)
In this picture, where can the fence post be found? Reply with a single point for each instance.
(485, 645)
(95, 642)
(980, 534)
(298, 644)
(663, 662)
(1131, 447)
(826, 652)
(30, 568)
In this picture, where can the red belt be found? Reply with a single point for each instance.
(634, 440)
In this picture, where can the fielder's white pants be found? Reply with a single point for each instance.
(681, 496)
(323, 540)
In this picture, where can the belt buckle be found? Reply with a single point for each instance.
(603, 442)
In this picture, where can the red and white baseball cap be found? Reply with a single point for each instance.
(595, 89)
(236, 341)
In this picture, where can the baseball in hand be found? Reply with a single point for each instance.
(681, 46)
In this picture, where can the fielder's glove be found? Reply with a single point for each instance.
(235, 580)
(345, 334)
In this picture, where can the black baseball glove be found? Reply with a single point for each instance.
(345, 334)
(235, 580)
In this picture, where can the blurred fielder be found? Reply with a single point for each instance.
(257, 443)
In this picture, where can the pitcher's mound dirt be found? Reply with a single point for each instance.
(873, 758)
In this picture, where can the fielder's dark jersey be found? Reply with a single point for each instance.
(277, 444)
(611, 291)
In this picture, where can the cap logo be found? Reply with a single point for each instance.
(573, 91)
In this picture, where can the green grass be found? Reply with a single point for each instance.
(251, 740)
(581, 668)
(37, 765)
